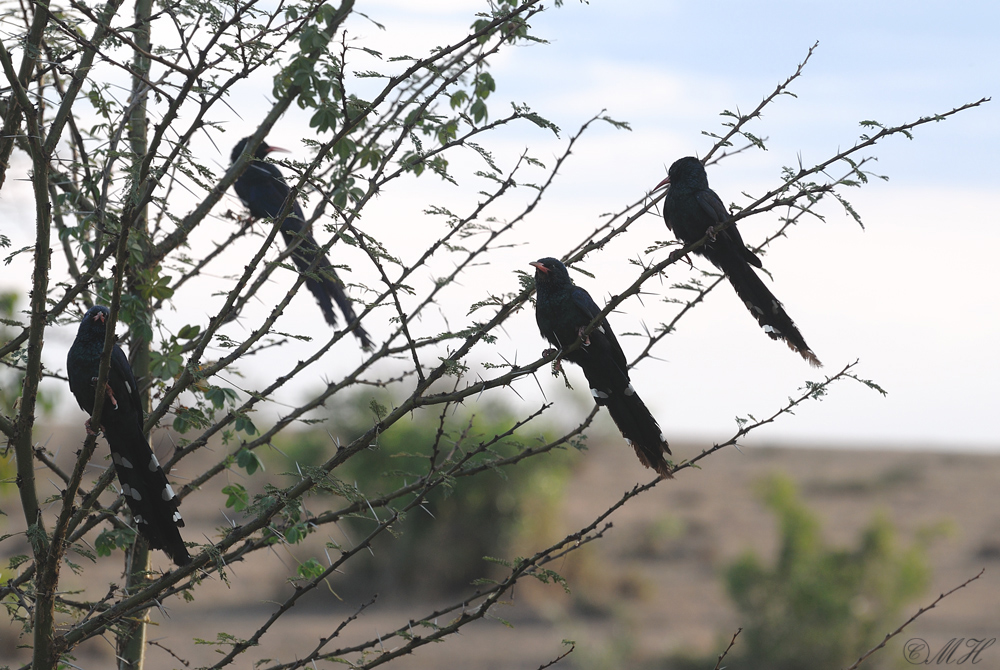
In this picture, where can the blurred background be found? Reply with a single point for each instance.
(814, 553)
(889, 499)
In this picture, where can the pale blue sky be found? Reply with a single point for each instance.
(914, 297)
(919, 311)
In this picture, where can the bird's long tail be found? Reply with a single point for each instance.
(147, 492)
(639, 427)
(325, 285)
(764, 307)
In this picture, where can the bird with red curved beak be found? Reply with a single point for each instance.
(262, 188)
(692, 210)
(563, 312)
(144, 485)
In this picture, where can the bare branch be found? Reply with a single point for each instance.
(913, 618)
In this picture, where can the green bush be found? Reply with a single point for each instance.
(438, 546)
(817, 606)
(11, 320)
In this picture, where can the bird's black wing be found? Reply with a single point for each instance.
(711, 205)
(80, 387)
(590, 310)
(123, 384)
(606, 369)
(730, 254)
(263, 189)
(82, 368)
(144, 485)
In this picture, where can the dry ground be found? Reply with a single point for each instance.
(650, 588)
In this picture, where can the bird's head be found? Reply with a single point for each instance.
(550, 270)
(688, 171)
(687, 168)
(262, 151)
(95, 321)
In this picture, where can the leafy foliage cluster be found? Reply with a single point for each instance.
(818, 606)
(438, 546)
(11, 374)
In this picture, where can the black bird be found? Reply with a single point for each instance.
(263, 190)
(144, 485)
(691, 209)
(563, 312)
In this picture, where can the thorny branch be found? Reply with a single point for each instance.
(913, 618)
(718, 665)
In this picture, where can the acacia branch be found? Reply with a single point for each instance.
(718, 665)
(742, 120)
(913, 618)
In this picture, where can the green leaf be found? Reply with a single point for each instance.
(249, 461)
(484, 85)
(17, 560)
(245, 425)
(311, 569)
(109, 540)
(188, 332)
(479, 111)
(238, 498)
(296, 533)
(166, 365)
